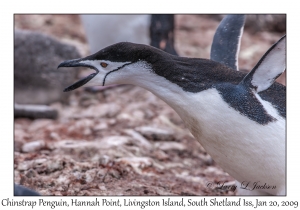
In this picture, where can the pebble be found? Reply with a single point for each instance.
(101, 172)
(103, 188)
(213, 170)
(169, 146)
(39, 124)
(160, 155)
(114, 173)
(156, 133)
(54, 165)
(33, 146)
(90, 175)
(138, 115)
(100, 126)
(142, 141)
(104, 110)
(104, 160)
(124, 116)
(55, 136)
(137, 163)
(63, 179)
(87, 132)
(110, 141)
(23, 166)
(31, 173)
(39, 161)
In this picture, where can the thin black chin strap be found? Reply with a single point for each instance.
(114, 71)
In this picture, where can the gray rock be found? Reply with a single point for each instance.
(36, 78)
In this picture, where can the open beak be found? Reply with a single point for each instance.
(78, 63)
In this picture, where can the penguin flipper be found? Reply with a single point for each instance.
(226, 42)
(268, 68)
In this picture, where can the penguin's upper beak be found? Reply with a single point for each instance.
(78, 63)
(70, 63)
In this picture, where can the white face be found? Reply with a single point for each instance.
(105, 68)
(111, 73)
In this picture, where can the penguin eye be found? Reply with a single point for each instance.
(104, 65)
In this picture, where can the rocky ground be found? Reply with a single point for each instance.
(122, 140)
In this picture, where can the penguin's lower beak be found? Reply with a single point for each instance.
(77, 63)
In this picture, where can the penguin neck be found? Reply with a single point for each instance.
(171, 93)
(194, 74)
(173, 79)
(180, 81)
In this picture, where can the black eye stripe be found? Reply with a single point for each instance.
(114, 71)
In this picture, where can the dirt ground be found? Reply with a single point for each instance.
(122, 140)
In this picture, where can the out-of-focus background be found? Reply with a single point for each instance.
(120, 140)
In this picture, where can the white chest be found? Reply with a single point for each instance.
(248, 151)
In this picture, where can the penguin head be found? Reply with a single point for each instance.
(121, 63)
